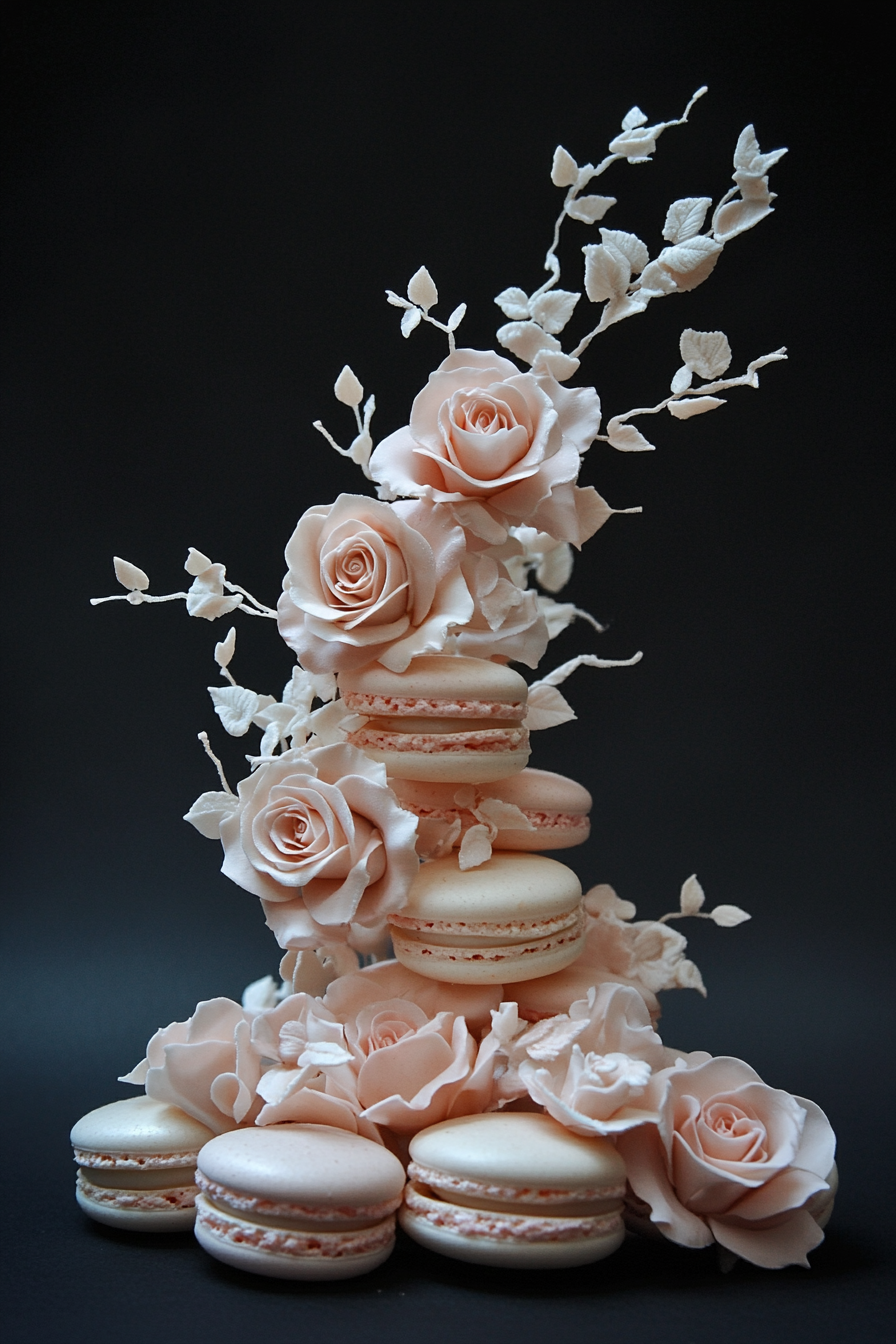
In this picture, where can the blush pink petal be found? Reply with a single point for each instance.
(347, 996)
(786, 1242)
(645, 1162)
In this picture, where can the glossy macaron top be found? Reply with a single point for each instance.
(517, 1150)
(507, 888)
(314, 1166)
(139, 1126)
(435, 684)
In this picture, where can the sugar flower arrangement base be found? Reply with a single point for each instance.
(448, 998)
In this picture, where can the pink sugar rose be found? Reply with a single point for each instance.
(731, 1160)
(502, 446)
(591, 1073)
(413, 1070)
(320, 837)
(346, 996)
(507, 621)
(369, 581)
(206, 1066)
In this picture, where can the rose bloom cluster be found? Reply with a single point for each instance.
(712, 1153)
(487, 448)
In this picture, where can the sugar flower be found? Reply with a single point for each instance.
(502, 446)
(320, 837)
(731, 1160)
(369, 581)
(206, 1066)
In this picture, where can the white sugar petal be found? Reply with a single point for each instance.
(348, 389)
(129, 576)
(422, 290)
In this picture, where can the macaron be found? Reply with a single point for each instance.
(446, 718)
(514, 917)
(137, 1164)
(298, 1201)
(514, 1189)
(555, 807)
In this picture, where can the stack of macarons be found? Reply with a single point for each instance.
(451, 733)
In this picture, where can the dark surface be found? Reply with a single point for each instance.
(203, 206)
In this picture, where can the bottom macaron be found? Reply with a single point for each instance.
(137, 1165)
(514, 1189)
(298, 1201)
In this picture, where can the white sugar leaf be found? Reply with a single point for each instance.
(514, 303)
(685, 218)
(607, 272)
(728, 916)
(630, 245)
(747, 156)
(422, 290)
(225, 650)
(687, 256)
(506, 816)
(687, 976)
(555, 363)
(475, 848)
(564, 169)
(681, 381)
(269, 739)
(627, 439)
(754, 188)
(410, 319)
(261, 994)
(396, 300)
(738, 216)
(589, 209)
(706, 352)
(209, 606)
(196, 563)
(321, 1053)
(236, 706)
(456, 317)
(602, 900)
(692, 896)
(546, 707)
(633, 117)
(636, 144)
(554, 309)
(683, 410)
(348, 389)
(209, 810)
(556, 568)
(360, 448)
(526, 339)
(129, 576)
(656, 281)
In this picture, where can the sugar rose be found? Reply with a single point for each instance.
(369, 581)
(206, 1066)
(502, 446)
(320, 837)
(731, 1160)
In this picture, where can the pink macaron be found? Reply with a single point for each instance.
(445, 719)
(297, 1201)
(555, 810)
(514, 1189)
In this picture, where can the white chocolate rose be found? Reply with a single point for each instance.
(321, 838)
(731, 1160)
(369, 581)
(502, 446)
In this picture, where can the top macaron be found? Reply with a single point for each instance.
(445, 718)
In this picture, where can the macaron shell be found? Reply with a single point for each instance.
(442, 678)
(508, 887)
(508, 964)
(455, 767)
(508, 1252)
(556, 807)
(139, 1128)
(278, 1254)
(521, 1150)
(134, 1211)
(312, 1166)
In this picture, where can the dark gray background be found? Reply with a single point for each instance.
(203, 207)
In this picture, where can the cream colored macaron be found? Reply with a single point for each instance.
(298, 1201)
(513, 918)
(555, 808)
(137, 1164)
(514, 1189)
(448, 719)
